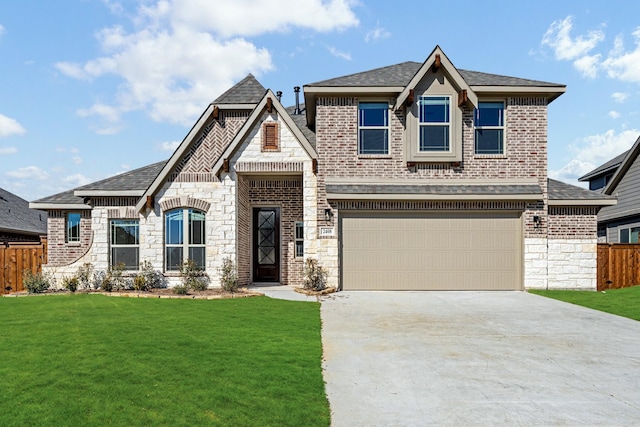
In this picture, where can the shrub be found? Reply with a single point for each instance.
(147, 278)
(180, 290)
(117, 280)
(99, 277)
(35, 283)
(193, 277)
(84, 275)
(228, 275)
(315, 276)
(70, 283)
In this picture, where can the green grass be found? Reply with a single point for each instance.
(96, 360)
(623, 302)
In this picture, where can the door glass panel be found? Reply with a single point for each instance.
(266, 237)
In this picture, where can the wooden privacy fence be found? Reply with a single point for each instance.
(15, 259)
(618, 265)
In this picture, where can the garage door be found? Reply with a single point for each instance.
(401, 251)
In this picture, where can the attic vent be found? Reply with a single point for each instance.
(270, 137)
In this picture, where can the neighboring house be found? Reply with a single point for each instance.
(411, 176)
(18, 223)
(619, 177)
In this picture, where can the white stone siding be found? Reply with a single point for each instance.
(572, 264)
(535, 263)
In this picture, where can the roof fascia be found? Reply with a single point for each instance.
(549, 92)
(58, 206)
(631, 157)
(236, 106)
(175, 158)
(449, 68)
(252, 120)
(447, 197)
(108, 193)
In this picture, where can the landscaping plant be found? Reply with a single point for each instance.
(70, 283)
(35, 283)
(315, 276)
(228, 275)
(193, 277)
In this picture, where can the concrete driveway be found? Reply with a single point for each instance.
(477, 358)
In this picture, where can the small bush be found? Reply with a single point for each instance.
(35, 283)
(147, 278)
(84, 275)
(70, 283)
(193, 277)
(228, 275)
(180, 290)
(315, 276)
(99, 277)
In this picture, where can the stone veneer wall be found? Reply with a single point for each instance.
(572, 247)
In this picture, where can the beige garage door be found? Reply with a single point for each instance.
(401, 251)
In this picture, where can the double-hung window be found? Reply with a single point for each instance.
(434, 123)
(73, 227)
(629, 235)
(184, 238)
(373, 128)
(125, 243)
(489, 124)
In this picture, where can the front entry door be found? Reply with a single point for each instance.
(266, 244)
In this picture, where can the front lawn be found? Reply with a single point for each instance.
(97, 360)
(623, 302)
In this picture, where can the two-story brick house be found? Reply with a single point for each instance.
(412, 176)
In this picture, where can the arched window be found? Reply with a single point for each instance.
(184, 238)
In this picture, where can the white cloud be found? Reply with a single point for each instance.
(8, 150)
(619, 97)
(184, 53)
(593, 151)
(1, 29)
(169, 146)
(76, 160)
(31, 172)
(613, 114)
(76, 180)
(9, 126)
(376, 34)
(338, 53)
(567, 48)
(624, 65)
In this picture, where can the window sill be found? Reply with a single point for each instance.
(490, 156)
(73, 244)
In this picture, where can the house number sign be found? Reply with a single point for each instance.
(327, 232)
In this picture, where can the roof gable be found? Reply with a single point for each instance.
(604, 168)
(626, 164)
(563, 194)
(437, 58)
(246, 91)
(253, 119)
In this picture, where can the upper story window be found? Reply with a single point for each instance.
(373, 128)
(73, 227)
(489, 124)
(125, 243)
(434, 115)
(184, 238)
(629, 235)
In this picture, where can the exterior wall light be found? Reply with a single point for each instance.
(328, 215)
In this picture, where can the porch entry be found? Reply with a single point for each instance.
(266, 244)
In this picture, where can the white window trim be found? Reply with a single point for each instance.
(448, 124)
(113, 245)
(387, 128)
(67, 235)
(503, 127)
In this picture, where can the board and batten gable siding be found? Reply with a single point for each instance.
(626, 213)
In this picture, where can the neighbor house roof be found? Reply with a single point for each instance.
(605, 168)
(246, 91)
(132, 183)
(16, 217)
(563, 194)
(629, 158)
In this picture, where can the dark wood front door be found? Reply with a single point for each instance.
(266, 244)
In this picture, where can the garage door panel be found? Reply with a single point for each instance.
(415, 252)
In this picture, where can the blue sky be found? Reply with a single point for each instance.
(92, 88)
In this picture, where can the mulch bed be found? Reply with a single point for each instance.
(213, 293)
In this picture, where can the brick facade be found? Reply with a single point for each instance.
(62, 253)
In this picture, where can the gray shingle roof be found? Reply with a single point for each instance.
(563, 191)
(137, 179)
(401, 74)
(609, 166)
(16, 217)
(301, 121)
(246, 91)
(437, 189)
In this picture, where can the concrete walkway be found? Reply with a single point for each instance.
(282, 292)
(477, 358)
